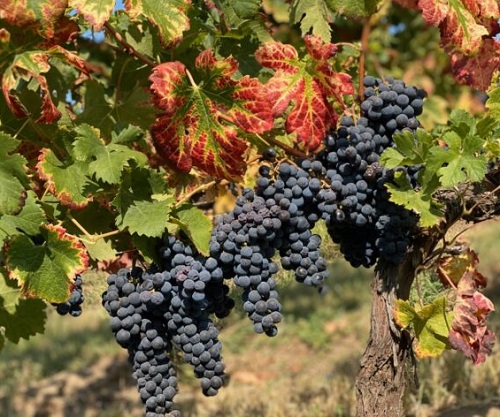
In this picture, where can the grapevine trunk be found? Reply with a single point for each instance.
(383, 378)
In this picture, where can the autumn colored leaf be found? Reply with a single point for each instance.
(47, 270)
(200, 125)
(42, 15)
(26, 66)
(451, 269)
(477, 70)
(467, 30)
(469, 332)
(169, 16)
(34, 64)
(306, 85)
(430, 322)
(96, 12)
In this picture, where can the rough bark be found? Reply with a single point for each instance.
(385, 373)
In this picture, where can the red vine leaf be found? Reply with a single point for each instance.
(477, 70)
(42, 15)
(469, 333)
(467, 31)
(200, 125)
(305, 85)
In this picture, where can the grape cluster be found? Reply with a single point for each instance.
(154, 314)
(242, 241)
(356, 206)
(74, 305)
(168, 308)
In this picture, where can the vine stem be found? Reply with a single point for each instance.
(445, 275)
(289, 149)
(197, 190)
(89, 238)
(365, 36)
(130, 49)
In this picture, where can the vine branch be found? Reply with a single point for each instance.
(129, 48)
(197, 190)
(289, 149)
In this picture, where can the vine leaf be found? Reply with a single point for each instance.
(245, 15)
(306, 85)
(96, 12)
(456, 22)
(168, 15)
(28, 220)
(431, 324)
(461, 160)
(43, 15)
(313, 16)
(13, 178)
(467, 33)
(9, 292)
(34, 64)
(196, 225)
(200, 124)
(27, 320)
(356, 8)
(469, 333)
(148, 218)
(25, 66)
(452, 268)
(421, 202)
(66, 180)
(47, 270)
(105, 162)
(479, 69)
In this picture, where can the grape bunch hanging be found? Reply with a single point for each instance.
(167, 311)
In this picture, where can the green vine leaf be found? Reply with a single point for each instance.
(196, 225)
(419, 201)
(431, 324)
(13, 178)
(244, 15)
(66, 180)
(356, 8)
(28, 220)
(47, 270)
(105, 162)
(148, 218)
(96, 12)
(168, 15)
(10, 293)
(27, 320)
(314, 16)
(461, 160)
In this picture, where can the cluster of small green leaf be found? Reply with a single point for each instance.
(449, 156)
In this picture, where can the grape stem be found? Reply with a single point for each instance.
(365, 36)
(197, 190)
(91, 239)
(286, 148)
(129, 48)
